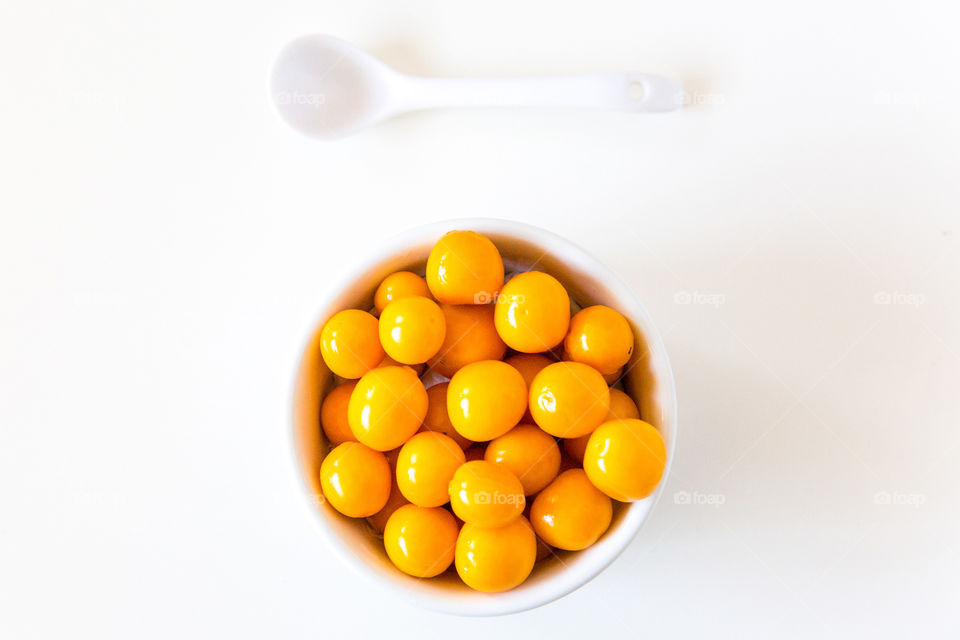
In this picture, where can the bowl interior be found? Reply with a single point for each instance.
(648, 380)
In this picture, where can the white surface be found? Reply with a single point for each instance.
(163, 236)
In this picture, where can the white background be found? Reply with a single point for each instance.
(164, 241)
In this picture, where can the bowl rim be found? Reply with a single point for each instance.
(636, 513)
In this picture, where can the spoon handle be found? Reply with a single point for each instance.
(639, 92)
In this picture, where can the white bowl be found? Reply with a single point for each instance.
(650, 382)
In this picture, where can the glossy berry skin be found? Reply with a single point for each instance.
(437, 418)
(350, 343)
(333, 414)
(486, 399)
(485, 494)
(496, 559)
(398, 285)
(470, 337)
(378, 521)
(387, 407)
(529, 365)
(569, 399)
(412, 329)
(532, 312)
(621, 406)
(421, 541)
(355, 479)
(464, 268)
(601, 338)
(571, 513)
(390, 362)
(425, 466)
(625, 459)
(527, 452)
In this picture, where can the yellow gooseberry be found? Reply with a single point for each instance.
(625, 459)
(486, 399)
(378, 521)
(387, 407)
(532, 313)
(621, 406)
(401, 284)
(529, 365)
(569, 399)
(571, 513)
(412, 329)
(350, 344)
(390, 362)
(485, 494)
(496, 559)
(464, 267)
(437, 418)
(333, 414)
(601, 338)
(471, 336)
(425, 466)
(421, 541)
(355, 479)
(528, 453)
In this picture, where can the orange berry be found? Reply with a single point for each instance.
(529, 365)
(528, 453)
(611, 378)
(425, 466)
(355, 479)
(412, 329)
(421, 541)
(486, 399)
(464, 268)
(625, 459)
(390, 362)
(349, 343)
(601, 338)
(402, 284)
(387, 407)
(485, 494)
(532, 313)
(498, 558)
(571, 513)
(333, 414)
(569, 399)
(378, 521)
(621, 406)
(437, 418)
(471, 336)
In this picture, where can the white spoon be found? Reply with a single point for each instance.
(326, 88)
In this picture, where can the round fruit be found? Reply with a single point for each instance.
(529, 365)
(333, 414)
(402, 284)
(355, 479)
(621, 406)
(625, 459)
(437, 418)
(571, 513)
(464, 268)
(349, 343)
(601, 338)
(486, 399)
(532, 312)
(569, 399)
(471, 337)
(528, 453)
(378, 521)
(412, 329)
(486, 494)
(387, 407)
(425, 466)
(390, 362)
(421, 541)
(497, 558)
(611, 378)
